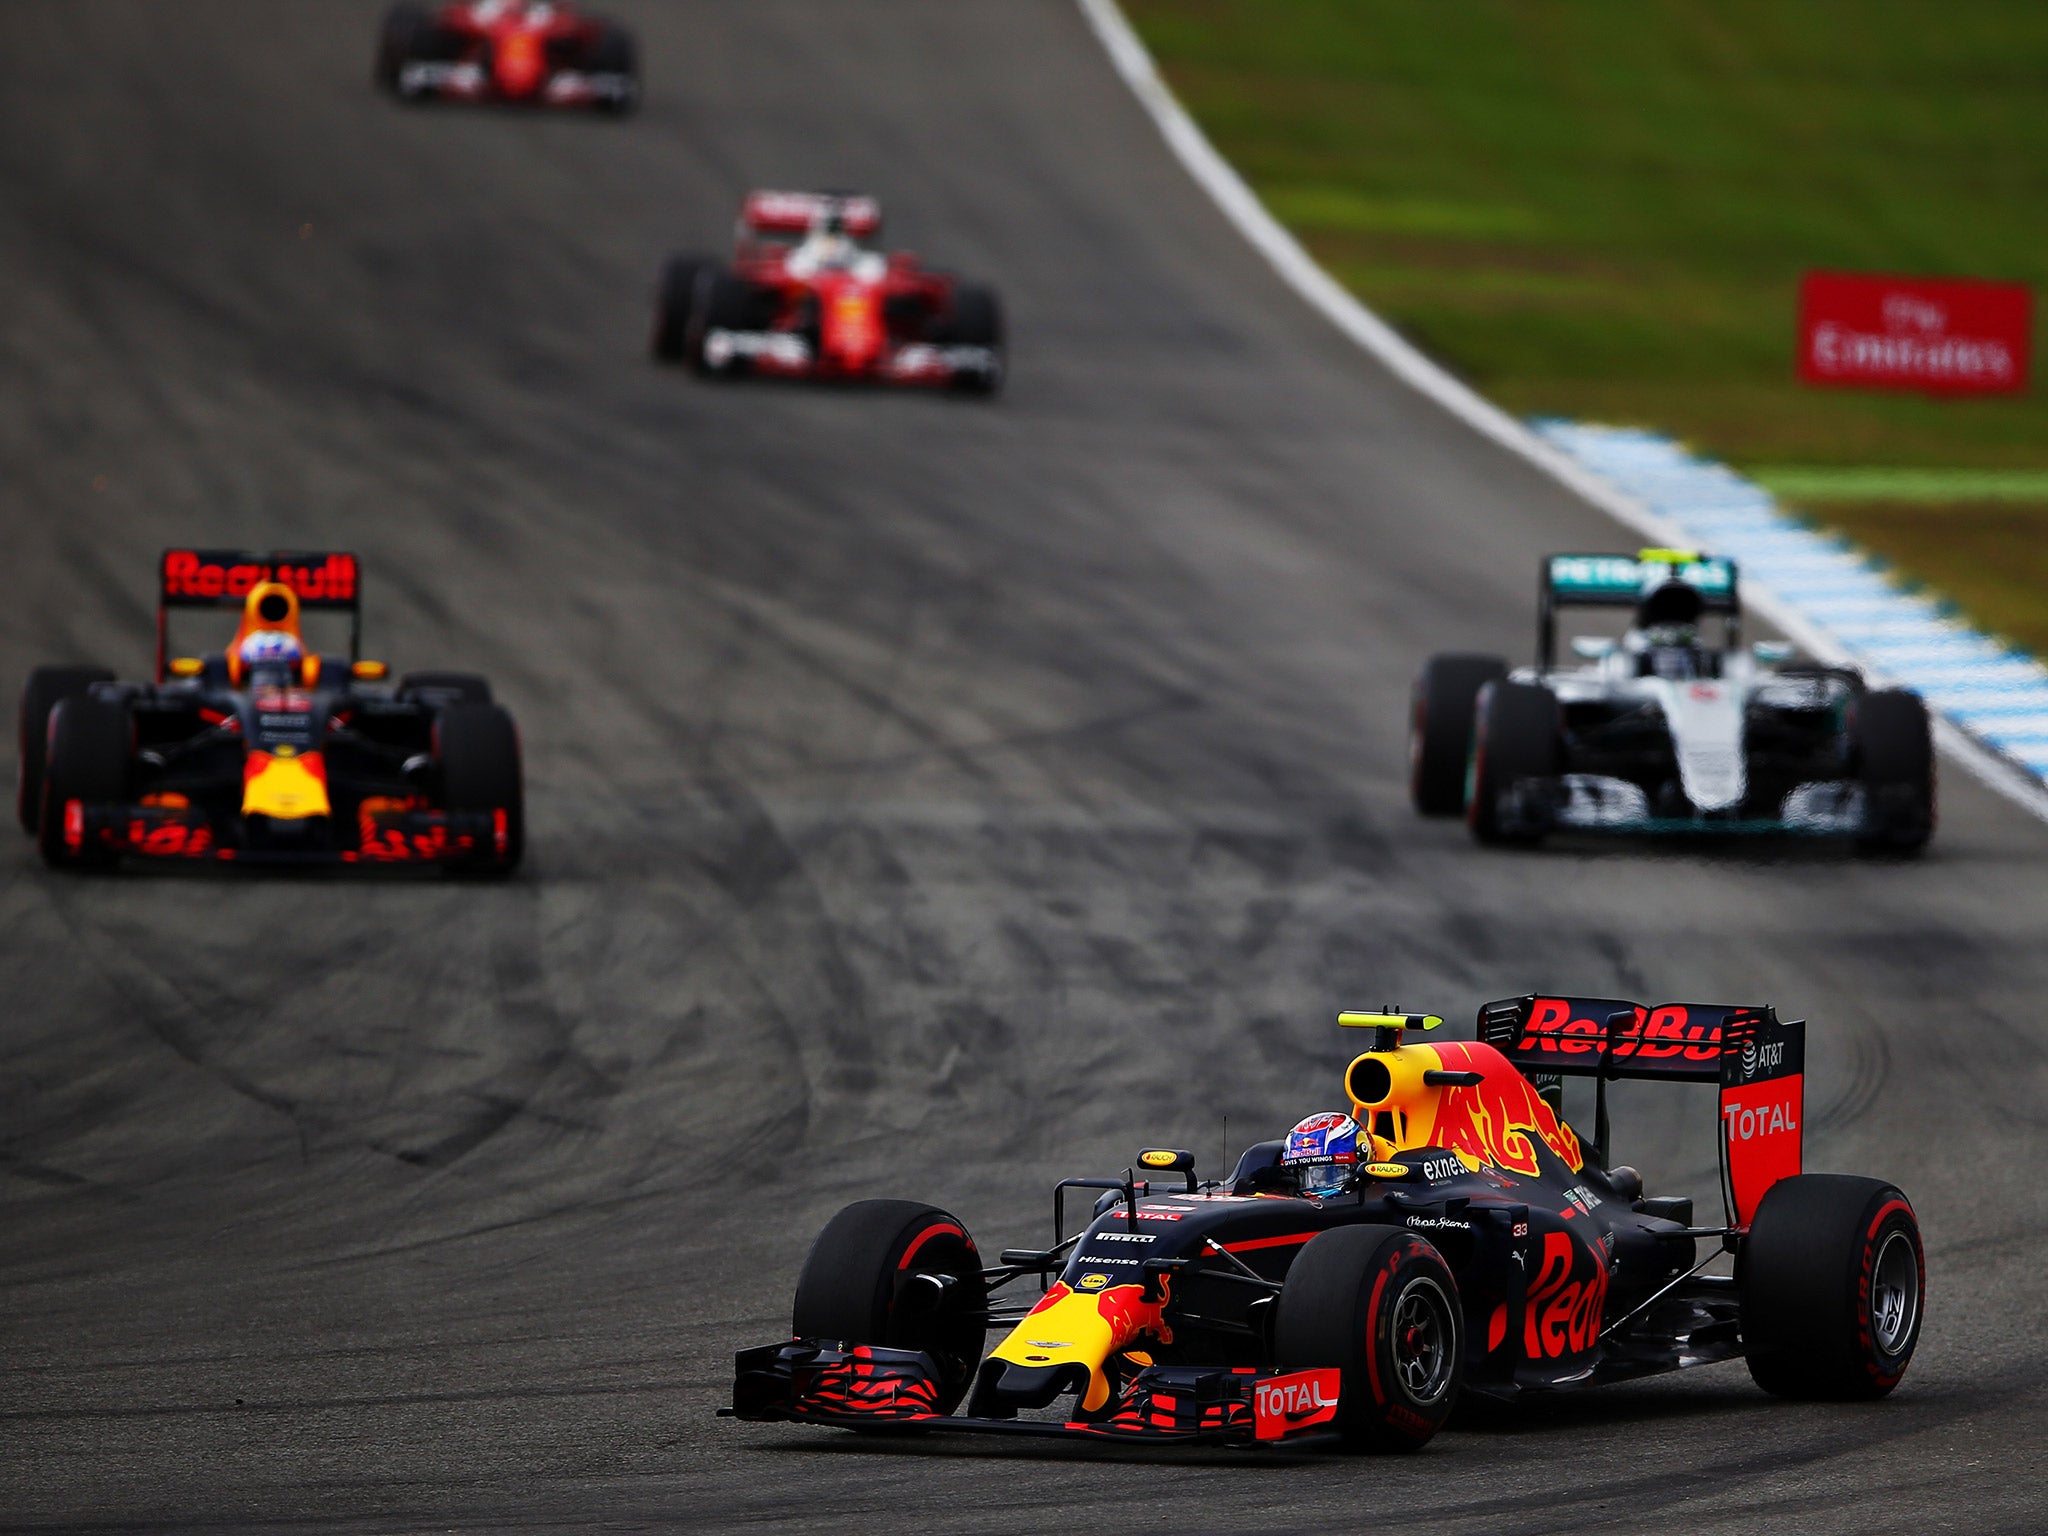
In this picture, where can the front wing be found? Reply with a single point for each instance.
(1586, 802)
(187, 834)
(424, 79)
(784, 354)
(823, 1381)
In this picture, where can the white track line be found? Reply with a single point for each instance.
(1299, 270)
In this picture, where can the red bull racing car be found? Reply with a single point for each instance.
(1472, 1243)
(268, 751)
(543, 53)
(804, 297)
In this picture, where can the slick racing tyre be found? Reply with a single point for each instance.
(47, 687)
(91, 745)
(1895, 760)
(673, 306)
(476, 750)
(724, 302)
(615, 53)
(1517, 738)
(901, 1275)
(976, 320)
(1380, 1304)
(443, 688)
(1831, 1280)
(1440, 729)
(407, 28)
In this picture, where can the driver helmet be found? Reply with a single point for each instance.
(271, 657)
(1323, 1152)
(276, 646)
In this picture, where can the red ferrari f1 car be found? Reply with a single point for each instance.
(1450, 1234)
(530, 52)
(267, 751)
(805, 297)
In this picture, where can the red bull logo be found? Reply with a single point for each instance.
(1562, 1314)
(195, 575)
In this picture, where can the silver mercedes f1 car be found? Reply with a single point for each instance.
(1675, 726)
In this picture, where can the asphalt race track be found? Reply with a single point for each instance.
(928, 797)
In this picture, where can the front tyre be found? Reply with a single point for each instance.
(1519, 739)
(1440, 728)
(1832, 1280)
(406, 26)
(476, 751)
(1380, 1305)
(91, 751)
(47, 687)
(673, 306)
(1895, 760)
(901, 1275)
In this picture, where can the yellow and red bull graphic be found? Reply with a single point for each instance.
(284, 785)
(1499, 1121)
(1079, 1327)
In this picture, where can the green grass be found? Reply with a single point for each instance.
(1602, 208)
(1824, 483)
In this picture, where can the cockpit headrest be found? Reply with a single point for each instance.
(1675, 602)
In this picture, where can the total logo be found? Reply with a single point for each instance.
(1288, 1405)
(1293, 1395)
(1764, 1120)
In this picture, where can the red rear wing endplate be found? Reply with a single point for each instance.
(1757, 1059)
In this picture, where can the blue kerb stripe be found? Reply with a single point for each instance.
(1997, 694)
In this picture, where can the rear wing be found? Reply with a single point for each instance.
(1620, 581)
(793, 213)
(322, 580)
(1756, 1059)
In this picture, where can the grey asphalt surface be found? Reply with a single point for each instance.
(928, 798)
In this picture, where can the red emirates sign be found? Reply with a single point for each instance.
(1939, 336)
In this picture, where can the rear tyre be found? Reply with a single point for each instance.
(1518, 737)
(47, 687)
(1440, 729)
(863, 1284)
(1832, 1280)
(443, 688)
(476, 749)
(91, 747)
(673, 305)
(406, 26)
(1895, 758)
(1380, 1305)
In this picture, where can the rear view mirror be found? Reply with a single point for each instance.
(1772, 652)
(186, 666)
(1592, 647)
(369, 671)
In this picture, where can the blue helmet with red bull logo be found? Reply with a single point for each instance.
(1323, 1151)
